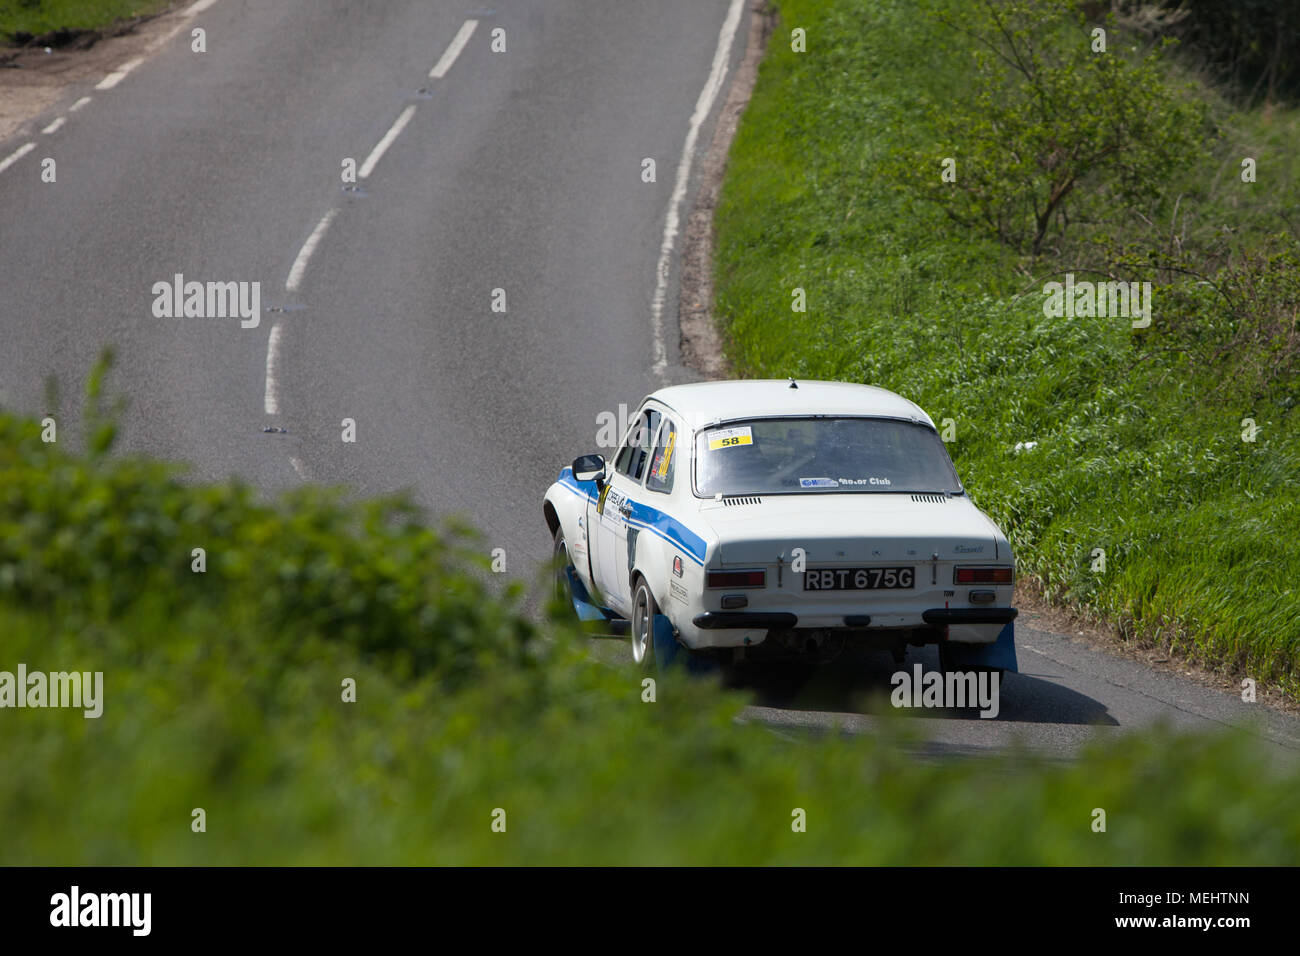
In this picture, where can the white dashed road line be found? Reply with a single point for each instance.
(702, 107)
(79, 104)
(118, 75)
(271, 400)
(271, 397)
(453, 50)
(299, 267)
(54, 126)
(382, 146)
(199, 7)
(16, 155)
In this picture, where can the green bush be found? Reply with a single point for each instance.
(1052, 122)
(89, 537)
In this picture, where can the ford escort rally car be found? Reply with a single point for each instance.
(773, 518)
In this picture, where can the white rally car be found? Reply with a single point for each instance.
(753, 519)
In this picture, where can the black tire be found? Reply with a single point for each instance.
(560, 556)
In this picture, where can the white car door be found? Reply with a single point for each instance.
(615, 506)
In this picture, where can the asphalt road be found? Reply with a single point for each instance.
(519, 171)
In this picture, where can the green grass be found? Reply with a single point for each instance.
(222, 691)
(1139, 444)
(38, 17)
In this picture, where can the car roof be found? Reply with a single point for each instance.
(703, 403)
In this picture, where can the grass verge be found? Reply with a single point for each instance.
(1140, 451)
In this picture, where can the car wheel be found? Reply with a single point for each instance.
(562, 562)
(643, 625)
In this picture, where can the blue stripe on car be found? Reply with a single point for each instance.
(644, 516)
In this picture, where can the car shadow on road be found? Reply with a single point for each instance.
(862, 684)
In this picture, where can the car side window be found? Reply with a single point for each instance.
(662, 464)
(634, 454)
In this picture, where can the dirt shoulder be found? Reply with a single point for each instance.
(33, 80)
(701, 342)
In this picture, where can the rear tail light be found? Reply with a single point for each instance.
(736, 579)
(982, 574)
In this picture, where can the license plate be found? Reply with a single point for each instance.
(858, 579)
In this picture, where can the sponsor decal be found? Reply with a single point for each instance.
(662, 470)
(677, 592)
(609, 503)
(818, 483)
(853, 481)
(677, 565)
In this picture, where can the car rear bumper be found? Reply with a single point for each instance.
(948, 625)
(938, 617)
(744, 620)
(969, 615)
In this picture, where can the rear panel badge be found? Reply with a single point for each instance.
(677, 565)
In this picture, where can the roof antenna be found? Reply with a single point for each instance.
(793, 383)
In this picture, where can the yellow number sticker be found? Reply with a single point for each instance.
(731, 437)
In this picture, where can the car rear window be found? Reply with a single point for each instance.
(822, 456)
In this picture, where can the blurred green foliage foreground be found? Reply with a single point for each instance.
(223, 691)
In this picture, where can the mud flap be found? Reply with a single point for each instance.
(1000, 654)
(666, 646)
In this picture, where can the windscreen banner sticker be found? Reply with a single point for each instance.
(818, 483)
(865, 481)
(730, 437)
